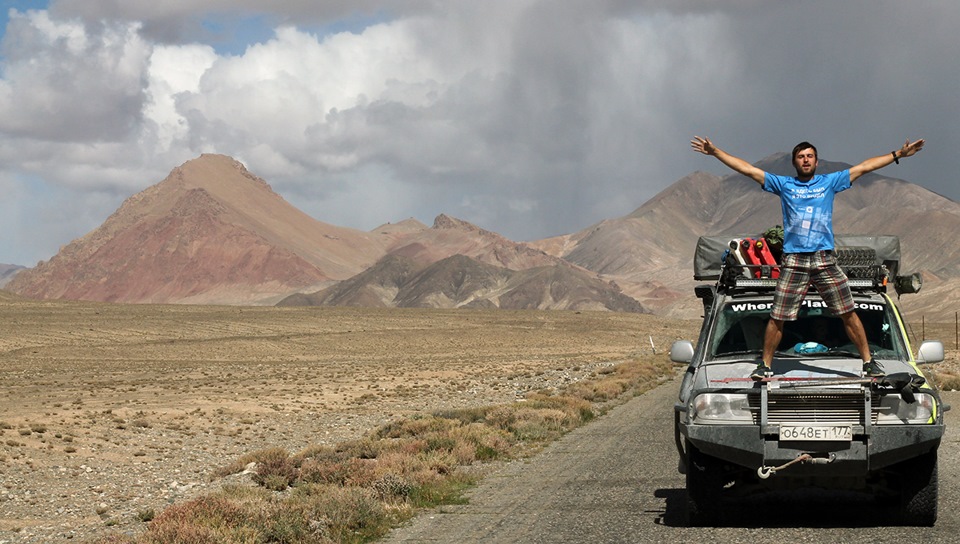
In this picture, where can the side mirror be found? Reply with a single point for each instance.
(681, 351)
(931, 351)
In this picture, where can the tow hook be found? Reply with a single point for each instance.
(765, 472)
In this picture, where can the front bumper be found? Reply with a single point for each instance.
(751, 447)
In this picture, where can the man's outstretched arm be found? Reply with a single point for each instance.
(705, 146)
(907, 150)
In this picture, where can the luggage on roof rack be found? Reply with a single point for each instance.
(867, 261)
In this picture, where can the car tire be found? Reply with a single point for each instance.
(918, 490)
(705, 483)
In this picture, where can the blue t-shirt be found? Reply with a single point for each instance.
(807, 209)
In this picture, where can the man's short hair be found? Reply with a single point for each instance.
(800, 147)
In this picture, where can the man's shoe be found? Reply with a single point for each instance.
(873, 369)
(762, 371)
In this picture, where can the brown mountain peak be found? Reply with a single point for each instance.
(444, 221)
(209, 232)
(217, 173)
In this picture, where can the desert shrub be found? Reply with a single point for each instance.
(245, 496)
(574, 405)
(402, 464)
(441, 442)
(210, 519)
(532, 424)
(465, 415)
(361, 472)
(323, 471)
(486, 442)
(364, 449)
(411, 446)
(315, 452)
(272, 457)
(502, 417)
(434, 490)
(417, 426)
(343, 514)
(275, 469)
(392, 487)
(290, 525)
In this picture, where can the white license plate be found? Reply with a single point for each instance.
(816, 433)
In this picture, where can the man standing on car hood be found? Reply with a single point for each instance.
(808, 240)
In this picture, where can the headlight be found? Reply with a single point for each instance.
(896, 411)
(712, 408)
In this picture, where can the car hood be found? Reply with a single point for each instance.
(736, 373)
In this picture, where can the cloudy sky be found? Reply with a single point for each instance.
(529, 118)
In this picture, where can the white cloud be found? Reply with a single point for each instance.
(63, 83)
(173, 70)
(297, 94)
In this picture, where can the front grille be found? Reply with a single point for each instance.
(811, 408)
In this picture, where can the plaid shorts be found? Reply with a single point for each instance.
(798, 272)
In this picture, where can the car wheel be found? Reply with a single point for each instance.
(918, 490)
(705, 483)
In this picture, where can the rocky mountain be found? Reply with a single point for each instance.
(459, 281)
(450, 236)
(210, 232)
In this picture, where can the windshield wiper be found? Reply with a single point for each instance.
(839, 353)
(738, 353)
(779, 353)
(828, 353)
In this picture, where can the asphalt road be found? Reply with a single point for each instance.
(616, 480)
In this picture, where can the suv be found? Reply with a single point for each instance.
(818, 422)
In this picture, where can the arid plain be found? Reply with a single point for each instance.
(111, 412)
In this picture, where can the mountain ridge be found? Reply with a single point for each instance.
(213, 232)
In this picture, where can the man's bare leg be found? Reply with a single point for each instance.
(771, 340)
(854, 328)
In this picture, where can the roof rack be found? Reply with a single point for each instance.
(870, 262)
(741, 278)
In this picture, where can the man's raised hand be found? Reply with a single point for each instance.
(705, 146)
(909, 149)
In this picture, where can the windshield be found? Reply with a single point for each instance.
(740, 326)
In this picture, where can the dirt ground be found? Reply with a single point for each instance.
(111, 412)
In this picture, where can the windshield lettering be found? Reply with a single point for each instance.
(766, 306)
